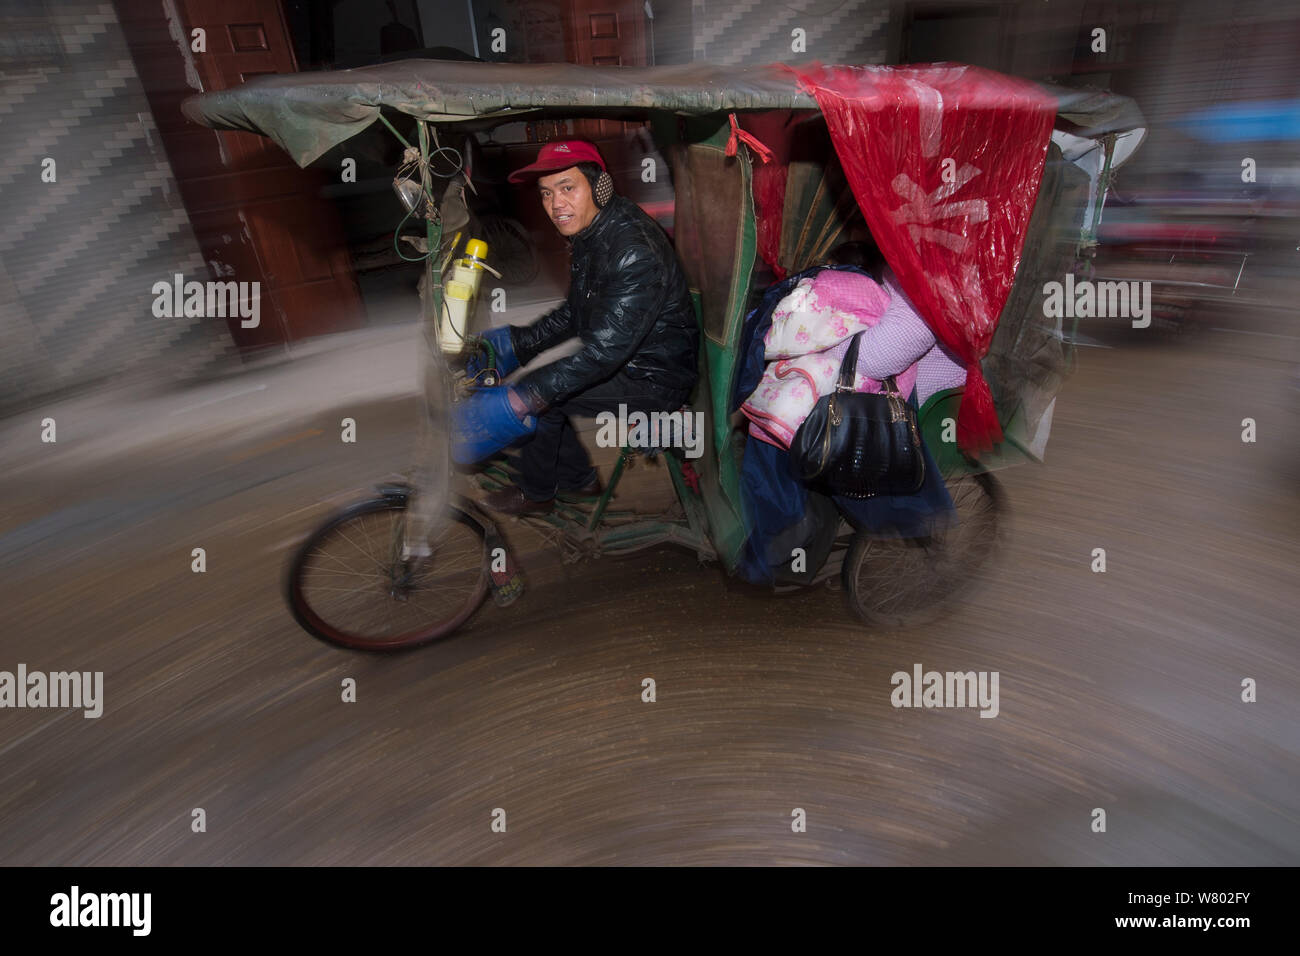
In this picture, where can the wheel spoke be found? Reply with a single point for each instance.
(344, 586)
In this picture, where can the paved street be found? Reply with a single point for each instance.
(1119, 691)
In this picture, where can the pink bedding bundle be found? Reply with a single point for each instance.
(810, 332)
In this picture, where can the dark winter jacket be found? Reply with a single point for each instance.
(628, 302)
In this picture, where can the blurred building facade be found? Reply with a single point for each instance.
(91, 210)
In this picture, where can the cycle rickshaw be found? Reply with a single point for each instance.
(980, 187)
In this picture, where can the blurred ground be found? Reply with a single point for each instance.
(1118, 690)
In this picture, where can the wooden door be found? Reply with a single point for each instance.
(256, 215)
(607, 33)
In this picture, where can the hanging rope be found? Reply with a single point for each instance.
(738, 136)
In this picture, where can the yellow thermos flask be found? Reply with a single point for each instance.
(460, 295)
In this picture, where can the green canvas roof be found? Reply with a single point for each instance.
(309, 113)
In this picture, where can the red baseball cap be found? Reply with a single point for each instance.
(556, 156)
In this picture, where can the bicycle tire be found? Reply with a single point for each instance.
(935, 572)
(311, 618)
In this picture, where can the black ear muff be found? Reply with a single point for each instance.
(604, 189)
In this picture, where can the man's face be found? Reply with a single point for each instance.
(567, 199)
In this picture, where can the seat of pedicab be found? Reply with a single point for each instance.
(652, 448)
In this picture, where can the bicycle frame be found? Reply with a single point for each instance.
(582, 528)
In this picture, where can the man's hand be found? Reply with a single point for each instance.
(487, 421)
(503, 345)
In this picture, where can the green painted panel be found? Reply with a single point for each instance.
(945, 405)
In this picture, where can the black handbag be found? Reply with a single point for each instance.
(859, 444)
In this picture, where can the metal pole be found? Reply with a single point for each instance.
(431, 475)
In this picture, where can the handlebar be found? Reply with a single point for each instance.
(486, 376)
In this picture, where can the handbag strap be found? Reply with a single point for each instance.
(849, 368)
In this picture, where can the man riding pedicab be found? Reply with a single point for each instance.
(629, 304)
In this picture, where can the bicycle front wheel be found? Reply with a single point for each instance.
(348, 584)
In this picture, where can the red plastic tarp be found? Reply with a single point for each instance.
(945, 163)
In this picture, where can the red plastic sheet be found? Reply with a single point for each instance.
(775, 131)
(945, 162)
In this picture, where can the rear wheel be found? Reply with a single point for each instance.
(902, 582)
(348, 584)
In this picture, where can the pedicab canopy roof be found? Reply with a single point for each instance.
(309, 113)
(944, 161)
